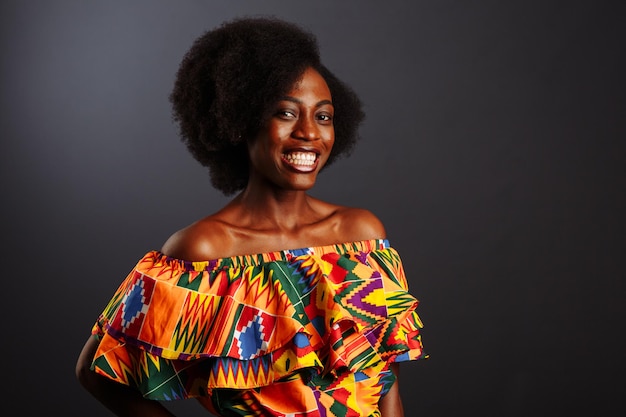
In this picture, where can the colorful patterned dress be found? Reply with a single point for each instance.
(307, 332)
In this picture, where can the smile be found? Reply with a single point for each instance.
(301, 160)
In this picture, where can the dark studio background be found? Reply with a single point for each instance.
(493, 150)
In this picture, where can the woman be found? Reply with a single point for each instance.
(279, 304)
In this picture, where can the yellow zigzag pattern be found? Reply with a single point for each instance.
(233, 373)
(189, 336)
(144, 360)
(258, 289)
(124, 371)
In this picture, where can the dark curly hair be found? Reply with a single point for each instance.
(229, 80)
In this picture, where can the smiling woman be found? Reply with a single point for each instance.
(296, 141)
(279, 304)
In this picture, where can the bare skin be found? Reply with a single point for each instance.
(274, 212)
(391, 404)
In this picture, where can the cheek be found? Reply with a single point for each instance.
(329, 143)
(256, 151)
(280, 132)
(330, 138)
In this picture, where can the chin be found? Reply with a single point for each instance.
(302, 185)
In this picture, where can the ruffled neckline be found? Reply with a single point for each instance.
(264, 257)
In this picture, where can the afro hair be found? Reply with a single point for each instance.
(230, 78)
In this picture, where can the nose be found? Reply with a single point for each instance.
(307, 128)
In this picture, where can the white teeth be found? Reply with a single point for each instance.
(300, 158)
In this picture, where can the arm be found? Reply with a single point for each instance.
(391, 404)
(120, 399)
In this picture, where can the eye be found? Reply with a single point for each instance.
(286, 114)
(325, 117)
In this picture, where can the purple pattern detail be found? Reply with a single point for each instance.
(374, 335)
(362, 257)
(358, 299)
(320, 407)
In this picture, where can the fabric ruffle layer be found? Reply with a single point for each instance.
(177, 329)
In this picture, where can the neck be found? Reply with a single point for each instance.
(275, 208)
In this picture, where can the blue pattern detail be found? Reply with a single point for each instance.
(251, 339)
(301, 340)
(133, 304)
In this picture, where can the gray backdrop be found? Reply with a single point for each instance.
(493, 151)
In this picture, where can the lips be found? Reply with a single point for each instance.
(301, 161)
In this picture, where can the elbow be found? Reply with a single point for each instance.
(84, 374)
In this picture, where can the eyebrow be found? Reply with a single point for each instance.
(297, 101)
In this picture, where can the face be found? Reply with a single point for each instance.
(295, 142)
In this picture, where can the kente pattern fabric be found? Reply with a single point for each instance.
(307, 332)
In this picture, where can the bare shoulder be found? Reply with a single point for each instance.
(200, 241)
(360, 224)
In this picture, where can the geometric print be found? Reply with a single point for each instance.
(322, 324)
(251, 337)
(135, 303)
